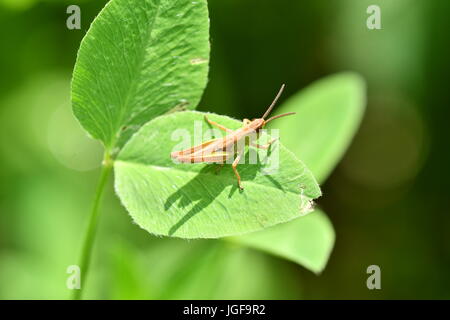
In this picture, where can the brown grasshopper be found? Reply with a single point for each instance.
(222, 149)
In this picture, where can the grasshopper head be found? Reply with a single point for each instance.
(278, 116)
(257, 124)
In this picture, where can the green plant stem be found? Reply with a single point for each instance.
(92, 226)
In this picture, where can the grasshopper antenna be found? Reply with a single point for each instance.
(280, 115)
(273, 102)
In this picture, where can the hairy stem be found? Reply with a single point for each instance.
(91, 231)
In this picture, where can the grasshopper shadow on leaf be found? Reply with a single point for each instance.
(203, 189)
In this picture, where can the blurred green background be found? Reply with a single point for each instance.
(388, 199)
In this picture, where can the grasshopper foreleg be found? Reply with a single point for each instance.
(234, 165)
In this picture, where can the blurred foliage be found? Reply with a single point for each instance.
(387, 200)
(307, 241)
